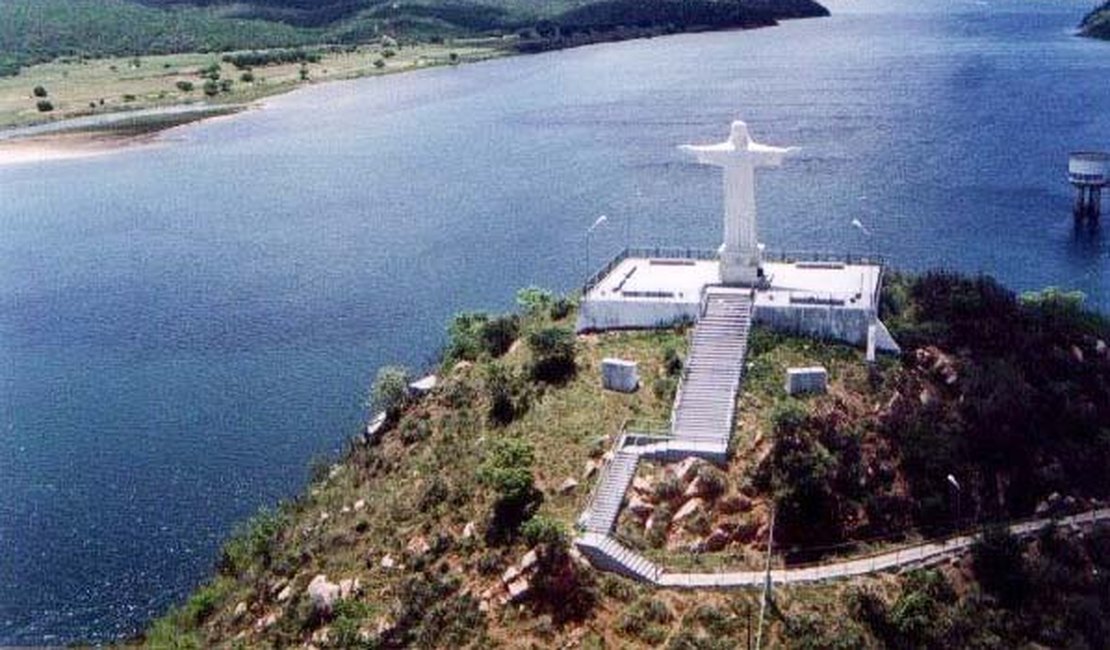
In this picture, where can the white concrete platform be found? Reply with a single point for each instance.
(824, 298)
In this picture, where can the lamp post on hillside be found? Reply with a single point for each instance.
(600, 220)
(959, 492)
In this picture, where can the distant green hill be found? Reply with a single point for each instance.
(1097, 23)
(32, 31)
(38, 30)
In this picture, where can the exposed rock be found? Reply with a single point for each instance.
(717, 540)
(568, 486)
(388, 562)
(484, 606)
(322, 635)
(1077, 354)
(591, 469)
(324, 516)
(360, 505)
(640, 507)
(418, 545)
(696, 488)
(512, 573)
(461, 367)
(642, 486)
(267, 620)
(335, 470)
(577, 556)
(529, 560)
(285, 594)
(688, 509)
(518, 589)
(276, 587)
(240, 609)
(345, 510)
(349, 587)
(687, 469)
(1101, 349)
(468, 530)
(928, 396)
(322, 594)
(734, 503)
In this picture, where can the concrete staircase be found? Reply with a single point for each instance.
(608, 554)
(701, 425)
(609, 494)
(705, 407)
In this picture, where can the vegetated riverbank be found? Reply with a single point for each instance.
(1097, 23)
(78, 86)
(412, 538)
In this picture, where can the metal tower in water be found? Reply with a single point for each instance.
(1088, 171)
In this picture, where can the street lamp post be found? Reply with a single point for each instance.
(600, 220)
(959, 493)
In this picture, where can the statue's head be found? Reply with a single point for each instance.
(739, 135)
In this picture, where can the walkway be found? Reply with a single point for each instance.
(701, 425)
(920, 555)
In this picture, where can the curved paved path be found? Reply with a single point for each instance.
(919, 555)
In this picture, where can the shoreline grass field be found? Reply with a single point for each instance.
(159, 91)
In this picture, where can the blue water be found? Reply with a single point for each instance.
(182, 328)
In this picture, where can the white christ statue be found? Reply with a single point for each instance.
(739, 156)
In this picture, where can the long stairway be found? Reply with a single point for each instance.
(612, 484)
(706, 404)
(701, 425)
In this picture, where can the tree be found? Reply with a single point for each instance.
(303, 72)
(211, 88)
(390, 392)
(39, 91)
(534, 301)
(552, 354)
(507, 469)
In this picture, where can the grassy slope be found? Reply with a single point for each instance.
(1097, 23)
(420, 483)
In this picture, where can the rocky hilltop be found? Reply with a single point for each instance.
(450, 522)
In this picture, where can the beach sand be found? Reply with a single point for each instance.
(68, 146)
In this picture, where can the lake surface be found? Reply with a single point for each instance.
(183, 327)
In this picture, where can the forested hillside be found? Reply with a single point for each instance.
(33, 31)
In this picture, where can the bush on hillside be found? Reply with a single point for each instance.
(390, 393)
(553, 351)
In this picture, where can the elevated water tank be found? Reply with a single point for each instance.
(1089, 168)
(1088, 171)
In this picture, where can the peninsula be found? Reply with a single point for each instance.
(704, 449)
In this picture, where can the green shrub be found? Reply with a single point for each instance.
(672, 362)
(534, 301)
(390, 393)
(44, 105)
(247, 77)
(379, 63)
(507, 468)
(664, 388)
(388, 53)
(252, 543)
(553, 351)
(211, 88)
(185, 86)
(788, 416)
(543, 530)
(39, 91)
(507, 393)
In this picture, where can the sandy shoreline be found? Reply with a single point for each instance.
(67, 146)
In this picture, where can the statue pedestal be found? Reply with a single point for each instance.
(739, 268)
